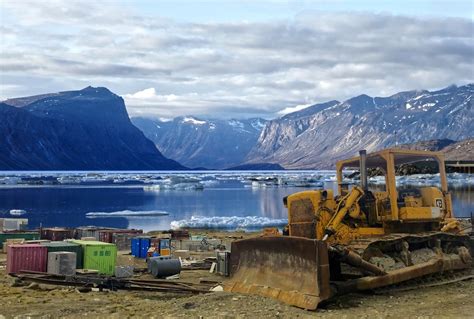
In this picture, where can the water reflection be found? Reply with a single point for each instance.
(463, 200)
(67, 206)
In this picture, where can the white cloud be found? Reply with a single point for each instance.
(296, 108)
(165, 68)
(149, 96)
(142, 95)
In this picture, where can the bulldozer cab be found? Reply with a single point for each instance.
(396, 203)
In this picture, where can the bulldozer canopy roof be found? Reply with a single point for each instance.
(401, 156)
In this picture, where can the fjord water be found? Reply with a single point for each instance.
(226, 196)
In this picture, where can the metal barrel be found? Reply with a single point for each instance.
(165, 267)
(294, 270)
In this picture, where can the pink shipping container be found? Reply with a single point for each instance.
(32, 257)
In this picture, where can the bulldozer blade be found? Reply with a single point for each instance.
(294, 270)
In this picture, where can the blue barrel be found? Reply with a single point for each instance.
(144, 246)
(135, 244)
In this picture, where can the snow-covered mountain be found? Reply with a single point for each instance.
(203, 143)
(90, 129)
(317, 136)
(87, 129)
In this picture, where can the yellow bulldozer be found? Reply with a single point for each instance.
(357, 240)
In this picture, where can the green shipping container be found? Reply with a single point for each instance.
(25, 236)
(98, 255)
(55, 246)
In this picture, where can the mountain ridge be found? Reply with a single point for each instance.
(75, 129)
(453, 150)
(196, 142)
(88, 129)
(318, 140)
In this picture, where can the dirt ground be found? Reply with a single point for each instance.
(42, 301)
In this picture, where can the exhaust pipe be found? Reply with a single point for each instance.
(363, 170)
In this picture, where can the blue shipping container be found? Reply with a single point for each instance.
(140, 246)
(144, 246)
(135, 244)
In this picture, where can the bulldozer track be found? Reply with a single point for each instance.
(428, 281)
(389, 241)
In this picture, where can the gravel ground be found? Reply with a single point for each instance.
(43, 301)
(449, 301)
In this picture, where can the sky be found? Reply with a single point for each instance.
(233, 59)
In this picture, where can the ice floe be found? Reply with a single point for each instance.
(200, 180)
(17, 212)
(128, 213)
(230, 222)
(454, 179)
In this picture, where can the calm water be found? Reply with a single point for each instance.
(60, 205)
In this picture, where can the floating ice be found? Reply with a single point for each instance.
(454, 179)
(232, 222)
(179, 186)
(128, 213)
(199, 180)
(17, 212)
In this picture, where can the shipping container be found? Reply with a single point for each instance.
(11, 241)
(86, 231)
(140, 246)
(89, 231)
(180, 234)
(145, 244)
(135, 247)
(14, 235)
(9, 224)
(62, 263)
(31, 257)
(122, 240)
(99, 256)
(56, 233)
(55, 246)
(107, 235)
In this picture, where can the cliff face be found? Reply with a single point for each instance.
(319, 136)
(87, 129)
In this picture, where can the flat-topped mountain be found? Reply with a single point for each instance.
(87, 129)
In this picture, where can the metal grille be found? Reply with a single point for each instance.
(302, 222)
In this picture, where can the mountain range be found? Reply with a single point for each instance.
(318, 136)
(199, 143)
(90, 129)
(87, 129)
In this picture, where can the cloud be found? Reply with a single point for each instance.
(226, 69)
(296, 108)
(142, 95)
